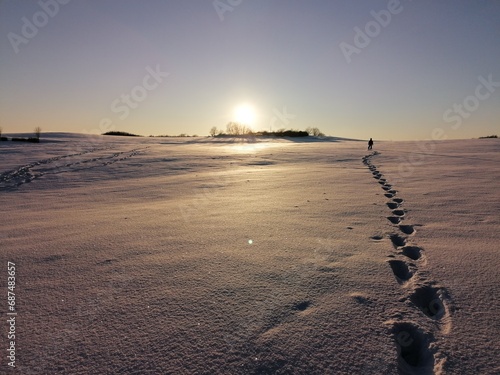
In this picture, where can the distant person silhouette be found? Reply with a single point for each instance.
(370, 144)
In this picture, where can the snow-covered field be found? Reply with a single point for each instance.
(219, 256)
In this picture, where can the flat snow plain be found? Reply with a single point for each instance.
(227, 256)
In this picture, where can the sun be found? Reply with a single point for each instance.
(245, 114)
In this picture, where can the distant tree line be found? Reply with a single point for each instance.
(122, 134)
(127, 134)
(237, 129)
(315, 132)
(35, 139)
(182, 135)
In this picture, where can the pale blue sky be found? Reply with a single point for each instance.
(282, 57)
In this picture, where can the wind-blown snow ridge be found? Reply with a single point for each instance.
(60, 164)
(417, 351)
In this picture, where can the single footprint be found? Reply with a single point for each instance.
(412, 252)
(301, 306)
(398, 200)
(429, 299)
(407, 229)
(398, 212)
(394, 219)
(388, 195)
(413, 348)
(392, 205)
(397, 240)
(401, 271)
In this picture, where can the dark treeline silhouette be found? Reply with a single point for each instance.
(35, 139)
(236, 129)
(279, 133)
(123, 134)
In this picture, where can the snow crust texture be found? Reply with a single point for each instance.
(251, 256)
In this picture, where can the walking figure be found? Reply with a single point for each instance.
(370, 144)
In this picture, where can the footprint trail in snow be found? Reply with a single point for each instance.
(416, 348)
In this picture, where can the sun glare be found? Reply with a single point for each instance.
(245, 114)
